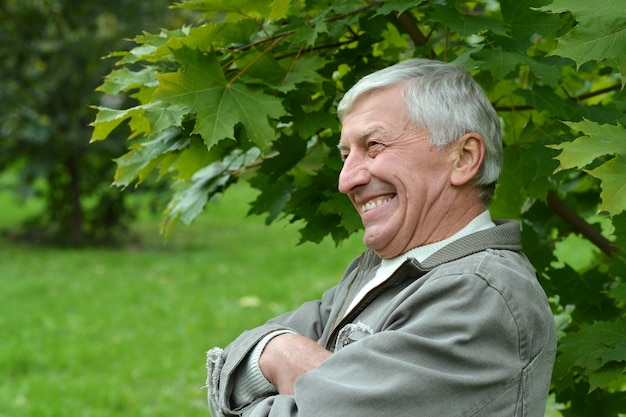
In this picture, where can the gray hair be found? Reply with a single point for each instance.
(445, 100)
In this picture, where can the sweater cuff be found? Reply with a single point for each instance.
(250, 384)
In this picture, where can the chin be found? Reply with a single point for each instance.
(373, 243)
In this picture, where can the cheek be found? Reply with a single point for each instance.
(420, 191)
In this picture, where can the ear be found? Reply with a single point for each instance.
(468, 158)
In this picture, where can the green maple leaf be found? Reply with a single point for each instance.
(191, 159)
(276, 192)
(190, 199)
(605, 375)
(236, 10)
(108, 119)
(598, 349)
(524, 21)
(217, 35)
(153, 47)
(124, 80)
(613, 177)
(503, 63)
(219, 104)
(588, 40)
(271, 72)
(619, 63)
(394, 6)
(144, 119)
(309, 33)
(618, 292)
(340, 204)
(144, 157)
(466, 24)
(544, 99)
(162, 116)
(599, 140)
(499, 63)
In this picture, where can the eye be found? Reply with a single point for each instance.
(374, 148)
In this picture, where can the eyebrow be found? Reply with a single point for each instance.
(359, 137)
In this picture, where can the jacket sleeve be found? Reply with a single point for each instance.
(222, 365)
(456, 347)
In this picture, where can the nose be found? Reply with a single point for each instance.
(353, 174)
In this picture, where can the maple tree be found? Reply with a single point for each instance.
(249, 94)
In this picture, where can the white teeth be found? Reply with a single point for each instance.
(373, 204)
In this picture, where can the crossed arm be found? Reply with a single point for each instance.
(289, 356)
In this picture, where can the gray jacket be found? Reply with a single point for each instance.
(467, 332)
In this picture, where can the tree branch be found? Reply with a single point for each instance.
(579, 224)
(598, 92)
(575, 99)
(410, 27)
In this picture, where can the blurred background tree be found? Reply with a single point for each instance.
(51, 61)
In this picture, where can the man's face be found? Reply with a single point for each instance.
(395, 179)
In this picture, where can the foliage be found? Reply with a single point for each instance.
(263, 79)
(50, 63)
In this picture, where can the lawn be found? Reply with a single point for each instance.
(123, 332)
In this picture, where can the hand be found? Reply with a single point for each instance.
(289, 356)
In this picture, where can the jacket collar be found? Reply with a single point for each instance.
(505, 236)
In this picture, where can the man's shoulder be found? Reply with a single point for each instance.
(505, 236)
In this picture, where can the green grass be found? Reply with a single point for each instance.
(123, 332)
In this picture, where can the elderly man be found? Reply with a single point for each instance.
(443, 315)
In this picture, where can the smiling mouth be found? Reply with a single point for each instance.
(371, 205)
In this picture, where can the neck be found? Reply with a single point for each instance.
(441, 222)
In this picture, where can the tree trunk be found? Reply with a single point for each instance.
(76, 214)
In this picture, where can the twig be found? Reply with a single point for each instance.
(293, 64)
(579, 224)
(254, 61)
(575, 99)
